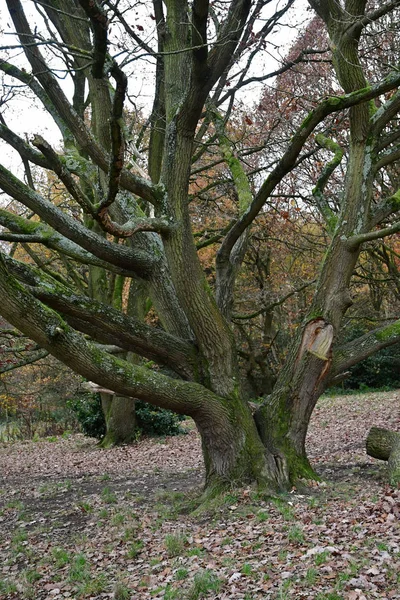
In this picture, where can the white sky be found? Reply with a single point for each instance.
(26, 117)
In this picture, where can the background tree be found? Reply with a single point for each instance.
(294, 217)
(139, 224)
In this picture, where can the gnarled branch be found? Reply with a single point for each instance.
(106, 324)
(52, 333)
(120, 256)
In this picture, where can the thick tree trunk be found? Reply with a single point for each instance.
(233, 451)
(385, 445)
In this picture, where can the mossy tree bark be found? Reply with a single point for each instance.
(118, 411)
(385, 445)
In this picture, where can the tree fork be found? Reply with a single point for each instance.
(282, 421)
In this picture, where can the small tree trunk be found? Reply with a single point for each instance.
(385, 445)
(380, 442)
(119, 413)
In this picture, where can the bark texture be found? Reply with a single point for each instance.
(119, 414)
(385, 445)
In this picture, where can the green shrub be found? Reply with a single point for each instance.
(87, 408)
(379, 371)
(150, 420)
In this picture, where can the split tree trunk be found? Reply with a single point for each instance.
(385, 445)
(233, 451)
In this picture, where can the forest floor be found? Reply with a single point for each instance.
(79, 522)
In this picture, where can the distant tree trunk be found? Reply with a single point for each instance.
(385, 445)
(119, 413)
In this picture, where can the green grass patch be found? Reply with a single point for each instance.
(93, 586)
(108, 496)
(295, 535)
(61, 557)
(203, 583)
(134, 549)
(175, 544)
(321, 558)
(121, 592)
(79, 571)
(8, 587)
(247, 569)
(181, 574)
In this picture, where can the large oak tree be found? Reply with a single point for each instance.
(135, 222)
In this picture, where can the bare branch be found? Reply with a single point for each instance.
(63, 173)
(24, 149)
(388, 159)
(99, 22)
(26, 231)
(386, 112)
(130, 228)
(318, 191)
(39, 91)
(83, 136)
(52, 333)
(129, 29)
(301, 58)
(285, 164)
(117, 143)
(106, 324)
(378, 13)
(22, 238)
(199, 37)
(228, 37)
(377, 234)
(22, 362)
(384, 209)
(226, 270)
(272, 305)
